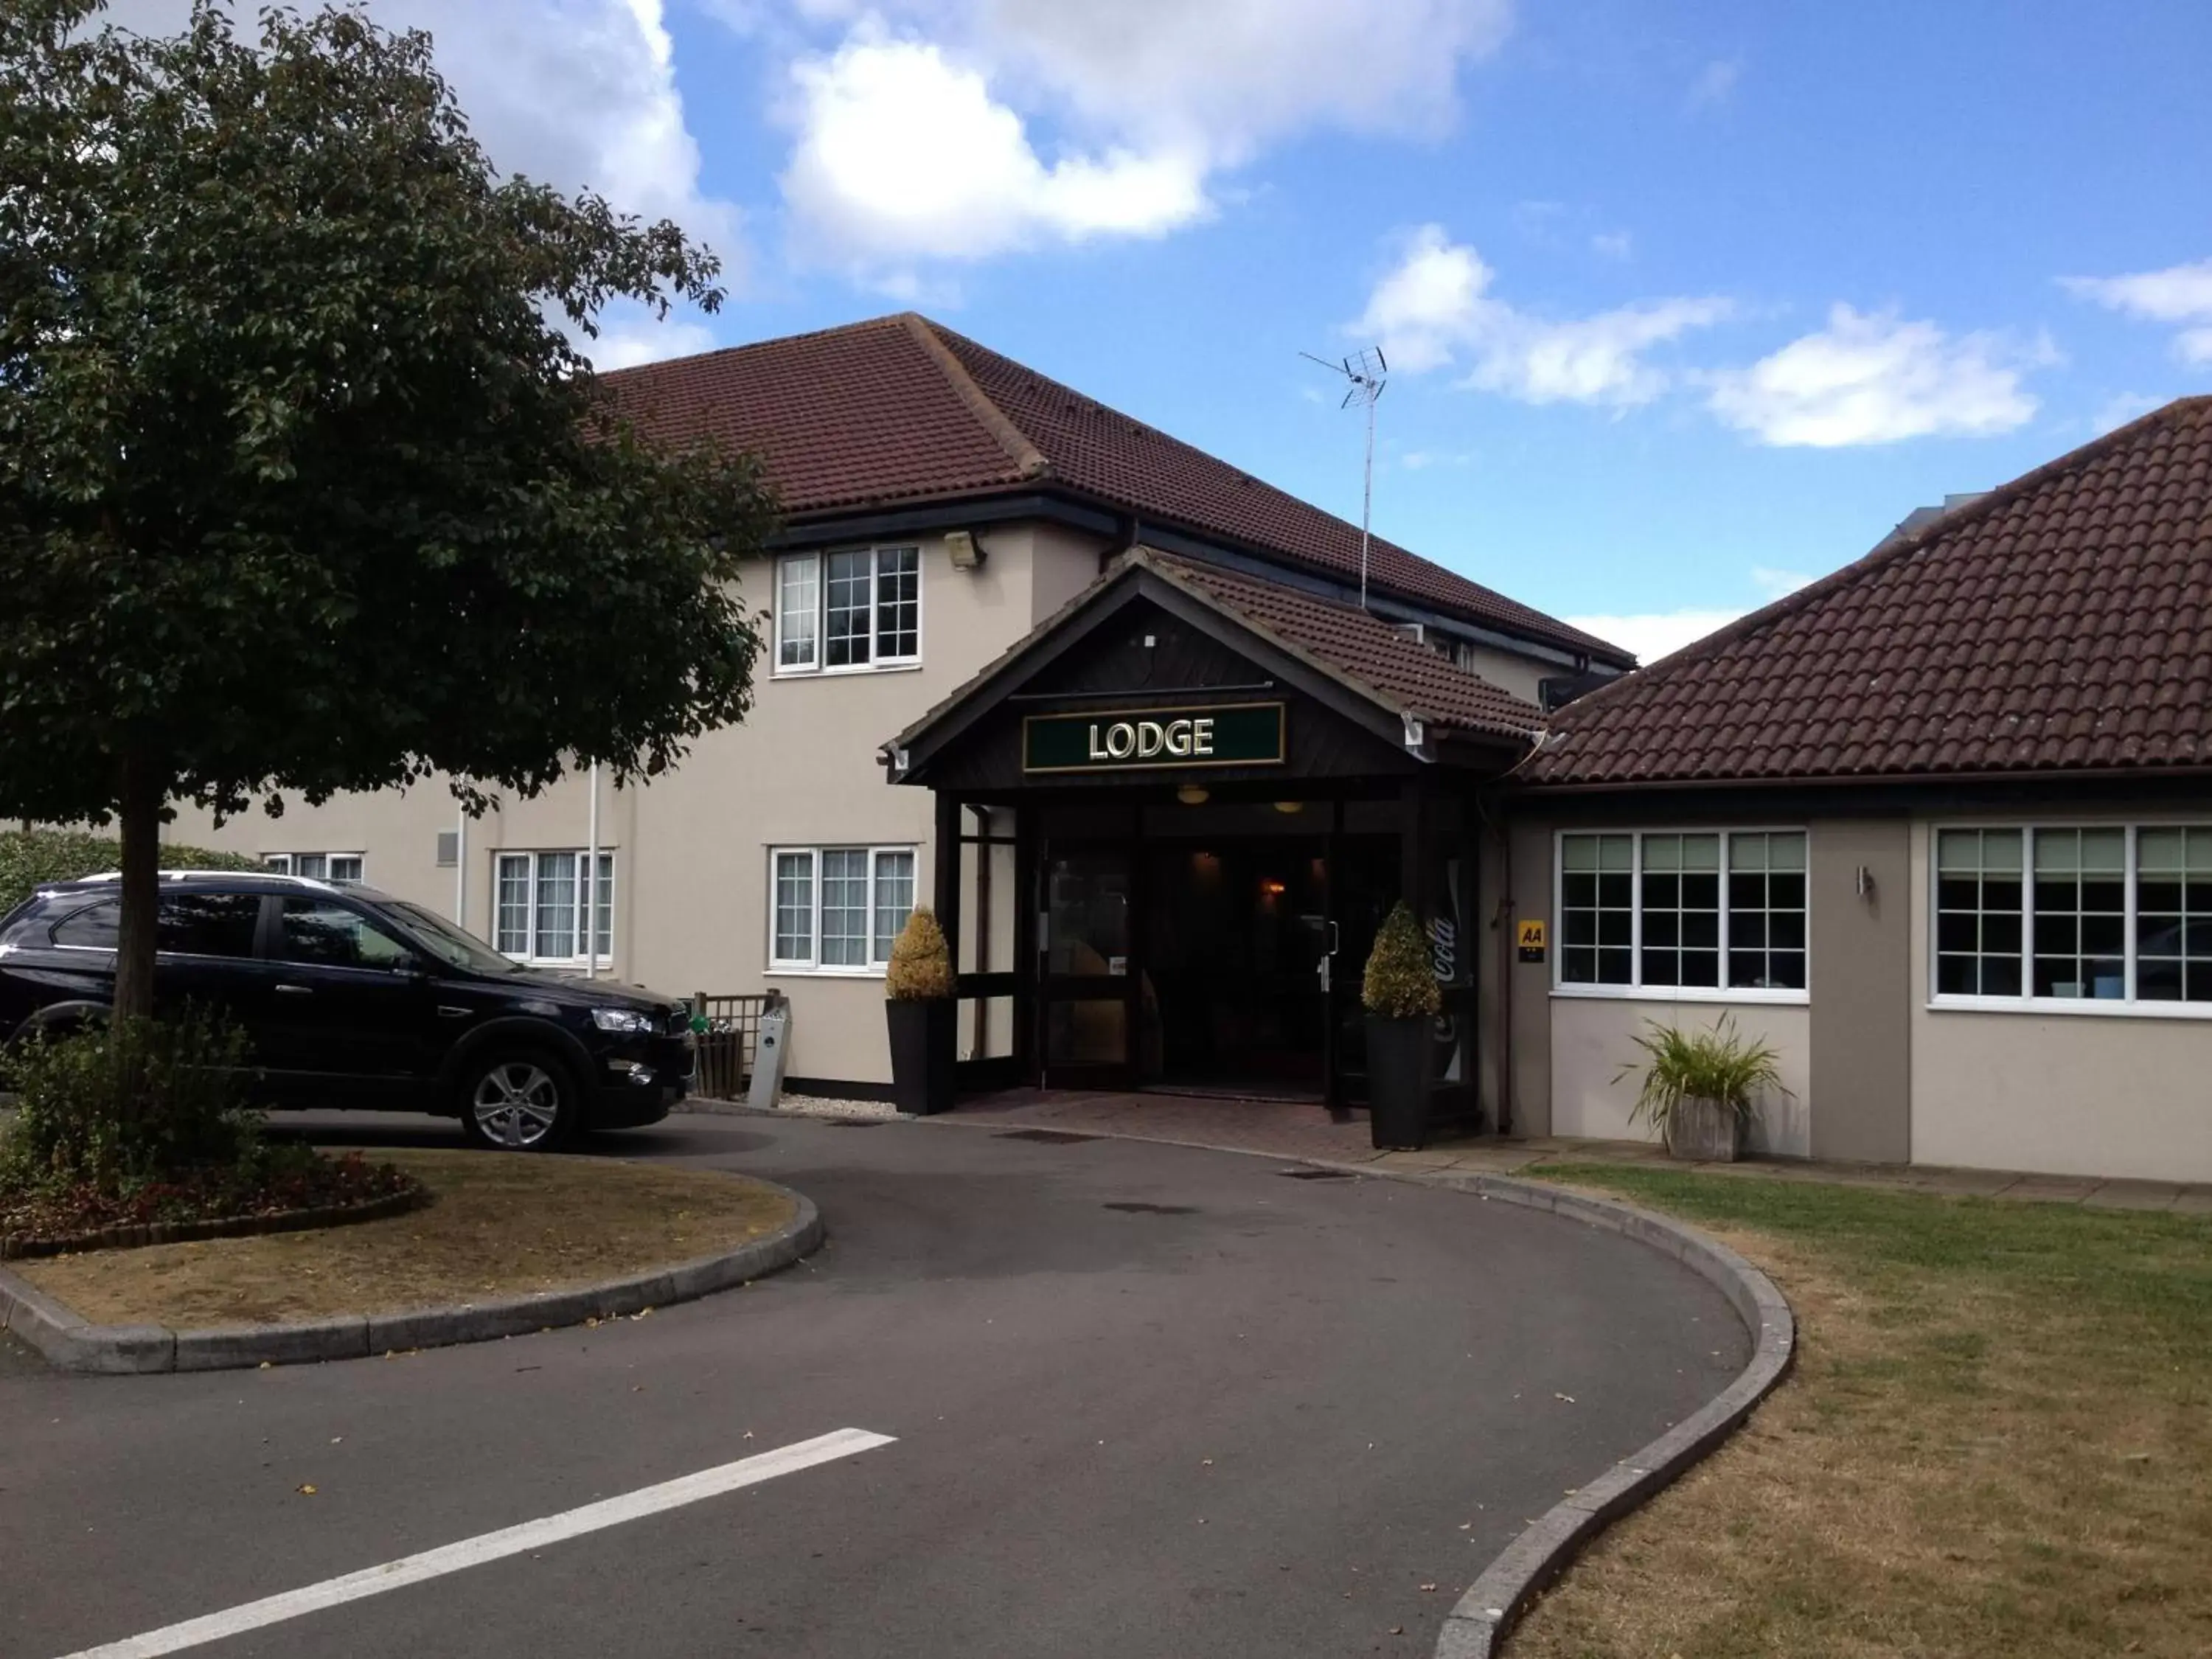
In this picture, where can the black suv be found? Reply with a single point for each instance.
(352, 998)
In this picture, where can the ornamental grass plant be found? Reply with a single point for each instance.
(1400, 983)
(1719, 1064)
(921, 967)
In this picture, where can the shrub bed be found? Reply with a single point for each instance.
(124, 1132)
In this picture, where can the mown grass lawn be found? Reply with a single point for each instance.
(1997, 1442)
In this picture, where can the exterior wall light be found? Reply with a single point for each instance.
(1192, 794)
(1289, 807)
(966, 555)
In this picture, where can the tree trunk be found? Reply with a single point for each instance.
(141, 807)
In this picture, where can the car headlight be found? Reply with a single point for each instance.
(621, 1021)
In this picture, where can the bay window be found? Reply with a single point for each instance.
(1669, 911)
(540, 902)
(837, 908)
(2111, 916)
(855, 609)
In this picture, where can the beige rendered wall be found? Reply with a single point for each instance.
(2113, 1094)
(1520, 675)
(1567, 1047)
(1529, 987)
(691, 910)
(1860, 968)
(1593, 1037)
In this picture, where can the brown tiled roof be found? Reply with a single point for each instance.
(2061, 623)
(898, 411)
(1385, 664)
(1359, 651)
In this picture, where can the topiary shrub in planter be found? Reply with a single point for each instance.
(1701, 1090)
(919, 1005)
(1400, 991)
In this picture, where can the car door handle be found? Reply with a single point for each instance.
(295, 990)
(445, 1013)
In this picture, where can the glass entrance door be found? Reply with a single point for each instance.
(1090, 993)
(1233, 936)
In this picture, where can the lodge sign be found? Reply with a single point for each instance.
(1109, 740)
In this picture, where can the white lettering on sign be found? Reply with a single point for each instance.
(1144, 739)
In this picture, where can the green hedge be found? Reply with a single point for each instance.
(45, 855)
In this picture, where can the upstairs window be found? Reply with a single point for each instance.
(839, 612)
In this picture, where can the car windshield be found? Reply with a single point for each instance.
(448, 942)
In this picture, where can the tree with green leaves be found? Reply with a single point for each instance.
(305, 484)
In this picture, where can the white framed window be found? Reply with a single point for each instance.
(320, 866)
(539, 904)
(837, 909)
(2091, 919)
(1668, 913)
(858, 608)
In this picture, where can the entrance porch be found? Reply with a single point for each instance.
(1170, 822)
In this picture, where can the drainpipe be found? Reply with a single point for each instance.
(461, 869)
(592, 886)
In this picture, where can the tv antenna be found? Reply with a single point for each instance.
(1366, 371)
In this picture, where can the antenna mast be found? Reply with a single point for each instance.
(1366, 373)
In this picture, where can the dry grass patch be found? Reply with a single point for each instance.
(498, 1226)
(1998, 1441)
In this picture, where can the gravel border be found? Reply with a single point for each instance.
(72, 1344)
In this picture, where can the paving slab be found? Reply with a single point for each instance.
(2134, 1196)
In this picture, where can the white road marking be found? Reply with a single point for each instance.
(492, 1546)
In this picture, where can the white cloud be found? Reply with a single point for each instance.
(2119, 409)
(633, 337)
(955, 129)
(573, 92)
(1420, 460)
(1434, 307)
(1613, 244)
(2179, 293)
(1716, 82)
(1654, 635)
(903, 153)
(1874, 379)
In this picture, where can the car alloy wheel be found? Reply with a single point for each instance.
(517, 1104)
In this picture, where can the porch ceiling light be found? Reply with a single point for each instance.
(1290, 806)
(1192, 794)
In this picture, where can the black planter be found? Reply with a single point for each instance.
(921, 1055)
(1399, 1058)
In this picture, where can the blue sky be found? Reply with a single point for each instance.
(1686, 302)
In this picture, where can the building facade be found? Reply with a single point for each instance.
(942, 503)
(1938, 828)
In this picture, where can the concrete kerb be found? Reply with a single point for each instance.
(70, 1343)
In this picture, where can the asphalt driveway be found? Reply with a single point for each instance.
(1144, 1400)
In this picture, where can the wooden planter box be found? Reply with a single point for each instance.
(1705, 1131)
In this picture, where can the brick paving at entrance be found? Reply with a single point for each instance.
(1304, 1132)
